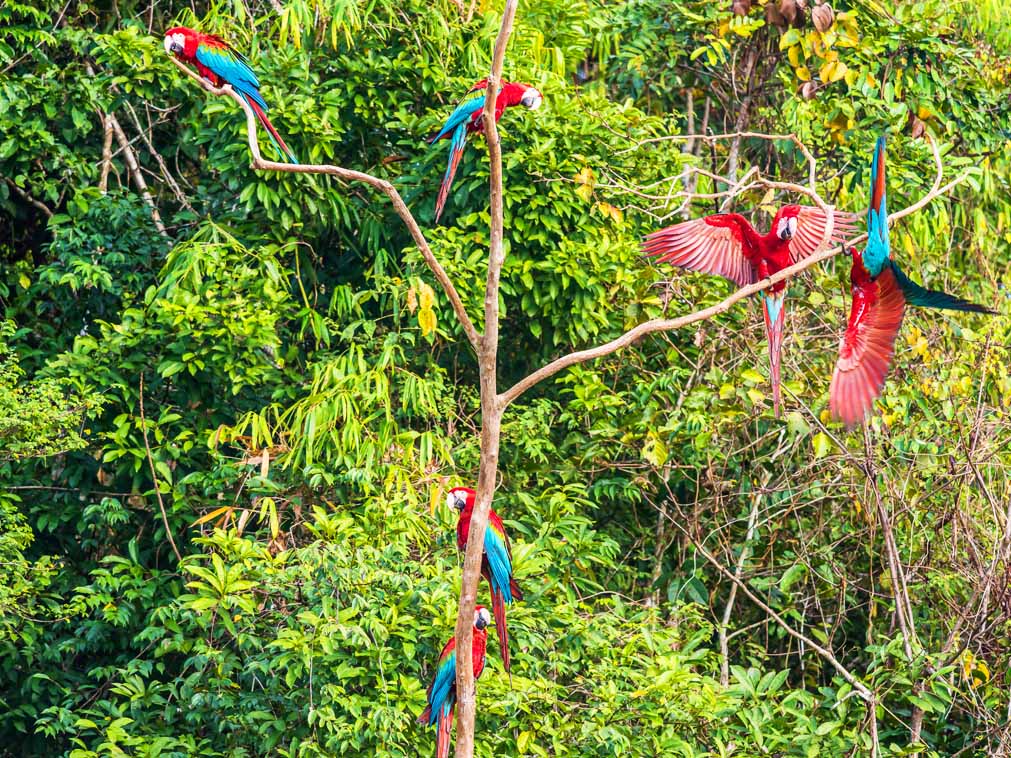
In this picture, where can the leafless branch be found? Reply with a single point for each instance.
(103, 182)
(491, 408)
(666, 325)
(154, 474)
(399, 206)
(28, 198)
(135, 172)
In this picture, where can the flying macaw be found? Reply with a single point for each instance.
(220, 63)
(726, 244)
(442, 690)
(496, 563)
(468, 117)
(880, 294)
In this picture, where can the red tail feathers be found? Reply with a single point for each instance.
(455, 154)
(499, 609)
(272, 132)
(443, 735)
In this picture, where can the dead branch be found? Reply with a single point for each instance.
(28, 198)
(399, 206)
(666, 325)
(103, 182)
(491, 408)
(135, 172)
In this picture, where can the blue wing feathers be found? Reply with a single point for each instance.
(499, 563)
(461, 115)
(445, 679)
(233, 69)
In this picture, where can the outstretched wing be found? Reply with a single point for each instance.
(232, 67)
(713, 245)
(812, 225)
(866, 349)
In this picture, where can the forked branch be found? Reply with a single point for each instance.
(666, 325)
(258, 163)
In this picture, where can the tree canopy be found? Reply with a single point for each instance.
(232, 401)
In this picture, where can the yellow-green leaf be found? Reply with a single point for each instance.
(822, 445)
(427, 321)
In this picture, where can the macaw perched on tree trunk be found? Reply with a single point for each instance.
(496, 563)
(468, 117)
(880, 295)
(726, 244)
(220, 63)
(442, 690)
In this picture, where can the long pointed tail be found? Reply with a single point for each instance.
(772, 306)
(878, 210)
(455, 153)
(444, 730)
(275, 138)
(918, 295)
(498, 607)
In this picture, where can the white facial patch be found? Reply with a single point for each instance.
(482, 615)
(784, 229)
(532, 99)
(176, 41)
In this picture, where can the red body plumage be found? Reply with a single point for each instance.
(441, 706)
(727, 245)
(499, 542)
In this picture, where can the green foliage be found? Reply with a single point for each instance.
(280, 384)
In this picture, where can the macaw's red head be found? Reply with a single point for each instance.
(460, 497)
(785, 223)
(175, 40)
(522, 94)
(481, 618)
(513, 93)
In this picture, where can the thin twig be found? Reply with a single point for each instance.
(399, 206)
(154, 473)
(666, 325)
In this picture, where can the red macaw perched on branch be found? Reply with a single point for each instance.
(468, 117)
(442, 690)
(880, 295)
(496, 563)
(727, 245)
(220, 63)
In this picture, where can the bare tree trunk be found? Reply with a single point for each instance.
(492, 407)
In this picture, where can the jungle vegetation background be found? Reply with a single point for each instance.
(265, 359)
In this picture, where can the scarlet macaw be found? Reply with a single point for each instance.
(468, 117)
(220, 63)
(726, 244)
(442, 690)
(880, 294)
(496, 563)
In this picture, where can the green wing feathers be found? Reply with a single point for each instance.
(916, 294)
